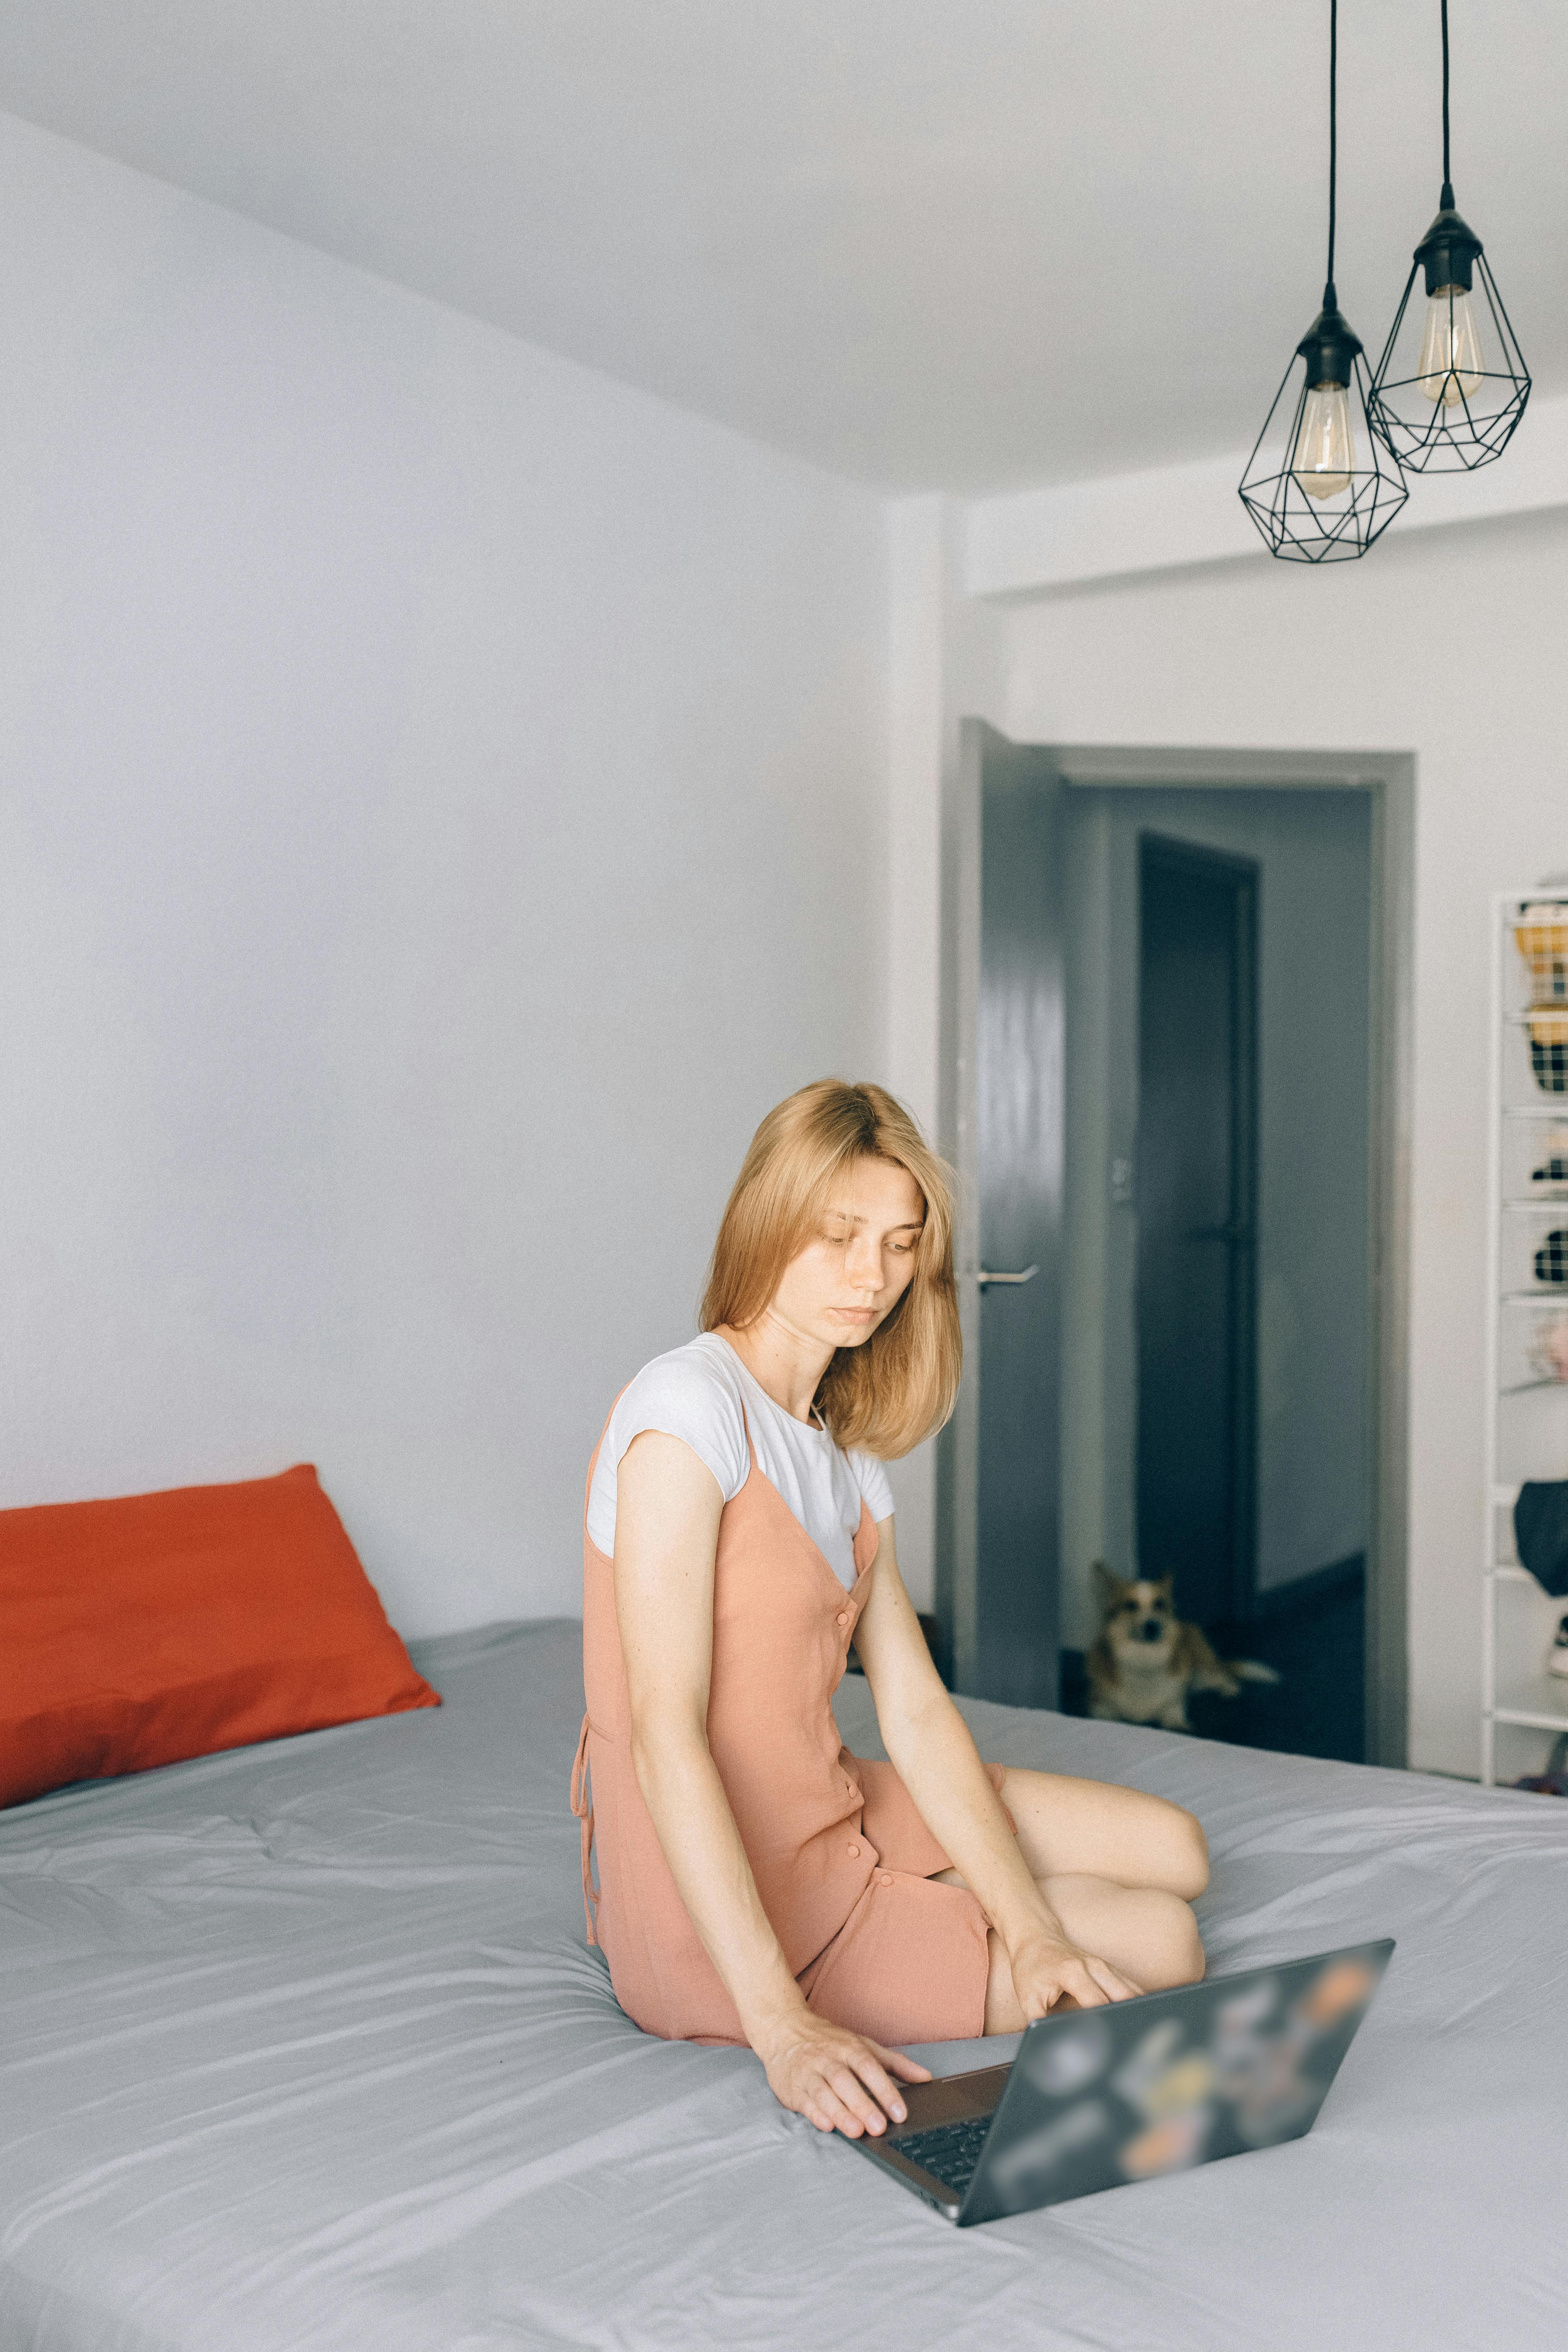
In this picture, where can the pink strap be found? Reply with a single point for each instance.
(594, 1457)
(582, 1801)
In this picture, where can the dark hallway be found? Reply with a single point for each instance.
(1315, 1641)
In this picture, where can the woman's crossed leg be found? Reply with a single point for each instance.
(1119, 1869)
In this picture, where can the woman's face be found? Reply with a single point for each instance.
(854, 1271)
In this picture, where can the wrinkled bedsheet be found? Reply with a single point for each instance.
(302, 2050)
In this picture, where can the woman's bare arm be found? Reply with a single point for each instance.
(930, 1745)
(667, 1529)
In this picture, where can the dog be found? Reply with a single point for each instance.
(1146, 1662)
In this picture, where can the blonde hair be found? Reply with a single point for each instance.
(900, 1385)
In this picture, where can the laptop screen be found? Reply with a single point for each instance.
(1142, 2087)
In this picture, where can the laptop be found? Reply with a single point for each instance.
(1099, 2096)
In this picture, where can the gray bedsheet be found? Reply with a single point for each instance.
(302, 2048)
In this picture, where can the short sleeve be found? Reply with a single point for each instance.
(876, 1488)
(681, 1395)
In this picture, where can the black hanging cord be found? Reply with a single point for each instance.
(1329, 299)
(1446, 201)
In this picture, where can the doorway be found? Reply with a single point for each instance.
(1196, 1297)
(1311, 1315)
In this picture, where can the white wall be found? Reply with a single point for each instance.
(1312, 852)
(1450, 643)
(441, 808)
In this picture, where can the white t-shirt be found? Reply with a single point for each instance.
(696, 1393)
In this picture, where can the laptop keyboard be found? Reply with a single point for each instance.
(949, 2152)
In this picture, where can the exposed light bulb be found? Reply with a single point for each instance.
(1324, 456)
(1451, 364)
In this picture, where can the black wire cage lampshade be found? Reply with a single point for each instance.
(1321, 485)
(1452, 384)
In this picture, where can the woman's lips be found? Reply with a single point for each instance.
(854, 1314)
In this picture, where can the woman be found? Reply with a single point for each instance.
(757, 1883)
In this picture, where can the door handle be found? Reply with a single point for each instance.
(985, 1279)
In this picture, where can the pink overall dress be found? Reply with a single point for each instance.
(843, 1863)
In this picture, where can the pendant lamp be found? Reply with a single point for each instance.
(1452, 384)
(1320, 484)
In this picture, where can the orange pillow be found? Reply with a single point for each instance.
(154, 1627)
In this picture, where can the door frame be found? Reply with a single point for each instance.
(1388, 779)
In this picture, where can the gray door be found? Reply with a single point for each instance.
(999, 1467)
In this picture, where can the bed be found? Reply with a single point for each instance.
(301, 2050)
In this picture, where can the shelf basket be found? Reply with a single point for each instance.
(1541, 935)
(1548, 1026)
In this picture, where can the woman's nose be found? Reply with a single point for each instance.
(863, 1263)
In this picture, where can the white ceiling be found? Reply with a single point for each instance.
(965, 244)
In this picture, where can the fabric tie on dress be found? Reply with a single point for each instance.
(583, 1806)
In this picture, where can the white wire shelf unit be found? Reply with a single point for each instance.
(1523, 1705)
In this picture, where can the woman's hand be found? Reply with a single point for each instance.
(838, 2080)
(1048, 1969)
